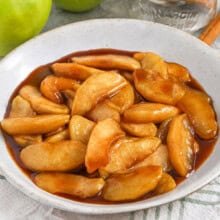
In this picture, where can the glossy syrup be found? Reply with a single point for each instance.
(35, 77)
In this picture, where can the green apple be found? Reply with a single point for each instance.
(20, 20)
(77, 5)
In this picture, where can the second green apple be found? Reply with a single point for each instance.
(77, 5)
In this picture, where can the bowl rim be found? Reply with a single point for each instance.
(87, 208)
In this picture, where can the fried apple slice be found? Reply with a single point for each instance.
(196, 147)
(60, 156)
(138, 97)
(140, 130)
(80, 128)
(163, 130)
(103, 110)
(52, 86)
(69, 97)
(34, 125)
(22, 108)
(152, 61)
(108, 61)
(70, 184)
(52, 133)
(128, 76)
(200, 112)
(95, 88)
(129, 151)
(132, 185)
(180, 142)
(158, 158)
(112, 105)
(103, 135)
(166, 184)
(74, 70)
(156, 89)
(149, 112)
(178, 72)
(124, 98)
(40, 104)
(25, 140)
(60, 136)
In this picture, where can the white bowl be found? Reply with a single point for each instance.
(172, 44)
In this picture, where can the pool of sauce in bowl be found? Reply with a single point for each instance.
(35, 77)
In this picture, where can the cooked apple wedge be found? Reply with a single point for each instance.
(178, 72)
(129, 151)
(196, 147)
(163, 130)
(94, 89)
(152, 61)
(108, 61)
(124, 98)
(112, 105)
(149, 112)
(22, 108)
(200, 112)
(158, 158)
(59, 156)
(157, 89)
(26, 140)
(52, 86)
(69, 97)
(57, 131)
(74, 70)
(34, 125)
(80, 128)
(40, 104)
(180, 142)
(60, 136)
(166, 184)
(104, 134)
(70, 184)
(102, 111)
(140, 130)
(128, 76)
(133, 184)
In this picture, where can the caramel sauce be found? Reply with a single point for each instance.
(35, 77)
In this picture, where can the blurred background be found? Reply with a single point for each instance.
(189, 15)
(21, 20)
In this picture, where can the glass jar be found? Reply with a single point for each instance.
(188, 15)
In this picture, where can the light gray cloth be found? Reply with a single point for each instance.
(201, 205)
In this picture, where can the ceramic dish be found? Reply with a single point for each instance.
(124, 34)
